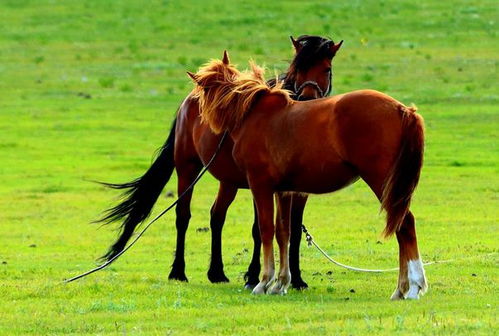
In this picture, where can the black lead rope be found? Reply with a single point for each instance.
(110, 261)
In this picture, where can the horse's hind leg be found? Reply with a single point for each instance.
(252, 275)
(412, 279)
(298, 202)
(187, 173)
(226, 194)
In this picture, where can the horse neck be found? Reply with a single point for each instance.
(289, 82)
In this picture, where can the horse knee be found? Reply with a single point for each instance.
(267, 235)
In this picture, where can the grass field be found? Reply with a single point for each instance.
(88, 90)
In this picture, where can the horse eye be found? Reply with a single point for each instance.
(327, 70)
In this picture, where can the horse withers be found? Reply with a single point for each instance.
(318, 146)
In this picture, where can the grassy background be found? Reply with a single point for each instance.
(88, 90)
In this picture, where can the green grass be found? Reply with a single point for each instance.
(88, 90)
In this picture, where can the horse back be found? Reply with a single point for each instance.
(289, 144)
(321, 145)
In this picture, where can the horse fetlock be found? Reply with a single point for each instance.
(270, 280)
(217, 276)
(412, 283)
(279, 288)
(179, 277)
(178, 274)
(285, 278)
(402, 286)
(298, 284)
(296, 279)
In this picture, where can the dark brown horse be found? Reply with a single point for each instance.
(318, 146)
(191, 144)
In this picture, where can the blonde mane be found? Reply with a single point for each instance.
(226, 95)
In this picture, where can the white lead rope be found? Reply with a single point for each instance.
(310, 242)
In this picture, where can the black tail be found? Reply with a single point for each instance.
(140, 195)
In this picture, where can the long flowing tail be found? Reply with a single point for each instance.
(404, 176)
(140, 195)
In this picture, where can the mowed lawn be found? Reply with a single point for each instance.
(88, 90)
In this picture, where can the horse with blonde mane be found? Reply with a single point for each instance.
(318, 146)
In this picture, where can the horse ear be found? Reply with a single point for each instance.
(193, 76)
(297, 45)
(225, 58)
(335, 47)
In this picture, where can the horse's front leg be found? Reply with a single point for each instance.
(186, 175)
(412, 279)
(225, 196)
(298, 202)
(265, 208)
(251, 276)
(282, 236)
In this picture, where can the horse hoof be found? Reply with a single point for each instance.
(299, 284)
(217, 278)
(278, 289)
(250, 286)
(178, 276)
(413, 293)
(259, 289)
(251, 283)
(221, 279)
(397, 295)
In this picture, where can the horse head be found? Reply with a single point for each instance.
(310, 73)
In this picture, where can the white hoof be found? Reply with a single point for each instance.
(259, 289)
(413, 293)
(278, 288)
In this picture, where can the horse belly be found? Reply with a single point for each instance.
(320, 178)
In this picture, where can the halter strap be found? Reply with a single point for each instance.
(307, 83)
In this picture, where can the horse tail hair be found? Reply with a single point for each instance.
(405, 172)
(140, 195)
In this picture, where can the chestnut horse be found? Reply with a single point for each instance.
(192, 144)
(317, 147)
